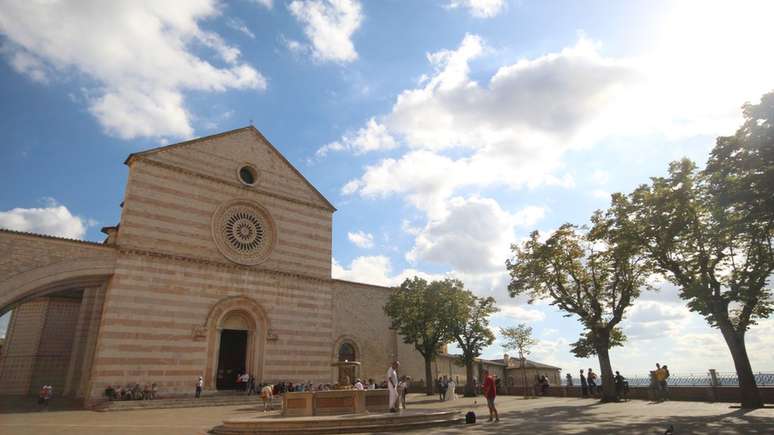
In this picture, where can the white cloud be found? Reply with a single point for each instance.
(139, 55)
(472, 236)
(479, 8)
(361, 239)
(54, 219)
(373, 137)
(376, 270)
(265, 3)
(513, 130)
(329, 25)
(520, 314)
(240, 26)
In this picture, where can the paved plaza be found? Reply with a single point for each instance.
(550, 415)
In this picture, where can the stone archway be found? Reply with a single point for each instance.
(254, 321)
(344, 346)
(75, 273)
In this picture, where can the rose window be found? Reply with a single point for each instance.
(243, 232)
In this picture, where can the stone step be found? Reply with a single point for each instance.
(185, 402)
(339, 424)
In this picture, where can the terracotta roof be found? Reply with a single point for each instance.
(226, 133)
(485, 361)
(516, 363)
(46, 236)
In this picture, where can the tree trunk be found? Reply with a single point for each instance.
(469, 390)
(429, 381)
(608, 383)
(524, 377)
(751, 397)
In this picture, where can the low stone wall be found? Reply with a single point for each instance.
(688, 393)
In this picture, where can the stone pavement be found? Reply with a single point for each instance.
(549, 415)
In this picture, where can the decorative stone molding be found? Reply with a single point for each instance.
(244, 232)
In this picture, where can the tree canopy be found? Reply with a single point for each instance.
(424, 314)
(594, 274)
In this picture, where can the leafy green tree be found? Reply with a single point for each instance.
(424, 314)
(740, 169)
(584, 347)
(712, 239)
(595, 275)
(520, 338)
(472, 332)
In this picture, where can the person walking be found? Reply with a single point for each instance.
(490, 392)
(199, 386)
(392, 385)
(584, 385)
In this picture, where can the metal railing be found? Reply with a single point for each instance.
(762, 379)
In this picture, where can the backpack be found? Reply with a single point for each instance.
(470, 418)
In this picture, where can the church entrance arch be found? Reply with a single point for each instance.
(237, 329)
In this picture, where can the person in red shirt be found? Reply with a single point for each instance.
(490, 392)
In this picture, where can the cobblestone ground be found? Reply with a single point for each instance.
(537, 416)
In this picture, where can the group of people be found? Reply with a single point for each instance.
(447, 388)
(589, 385)
(397, 387)
(131, 391)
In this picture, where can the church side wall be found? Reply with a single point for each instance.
(358, 313)
(155, 303)
(168, 211)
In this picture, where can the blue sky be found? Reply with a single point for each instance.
(443, 130)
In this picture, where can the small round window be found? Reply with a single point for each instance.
(248, 175)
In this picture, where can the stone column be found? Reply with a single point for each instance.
(74, 373)
(95, 318)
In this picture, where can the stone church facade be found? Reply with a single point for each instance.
(221, 262)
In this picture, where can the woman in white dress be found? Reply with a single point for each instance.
(450, 391)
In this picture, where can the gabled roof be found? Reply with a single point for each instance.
(250, 128)
(516, 363)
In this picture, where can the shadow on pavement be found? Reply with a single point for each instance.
(581, 420)
(22, 404)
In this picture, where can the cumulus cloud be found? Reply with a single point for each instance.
(520, 314)
(473, 235)
(361, 239)
(511, 131)
(54, 220)
(329, 25)
(376, 269)
(479, 8)
(373, 137)
(140, 55)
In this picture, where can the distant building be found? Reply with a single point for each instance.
(515, 375)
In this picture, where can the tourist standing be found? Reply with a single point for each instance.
(490, 392)
(267, 394)
(251, 386)
(451, 388)
(662, 373)
(619, 384)
(199, 386)
(392, 385)
(359, 385)
(592, 379)
(584, 385)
